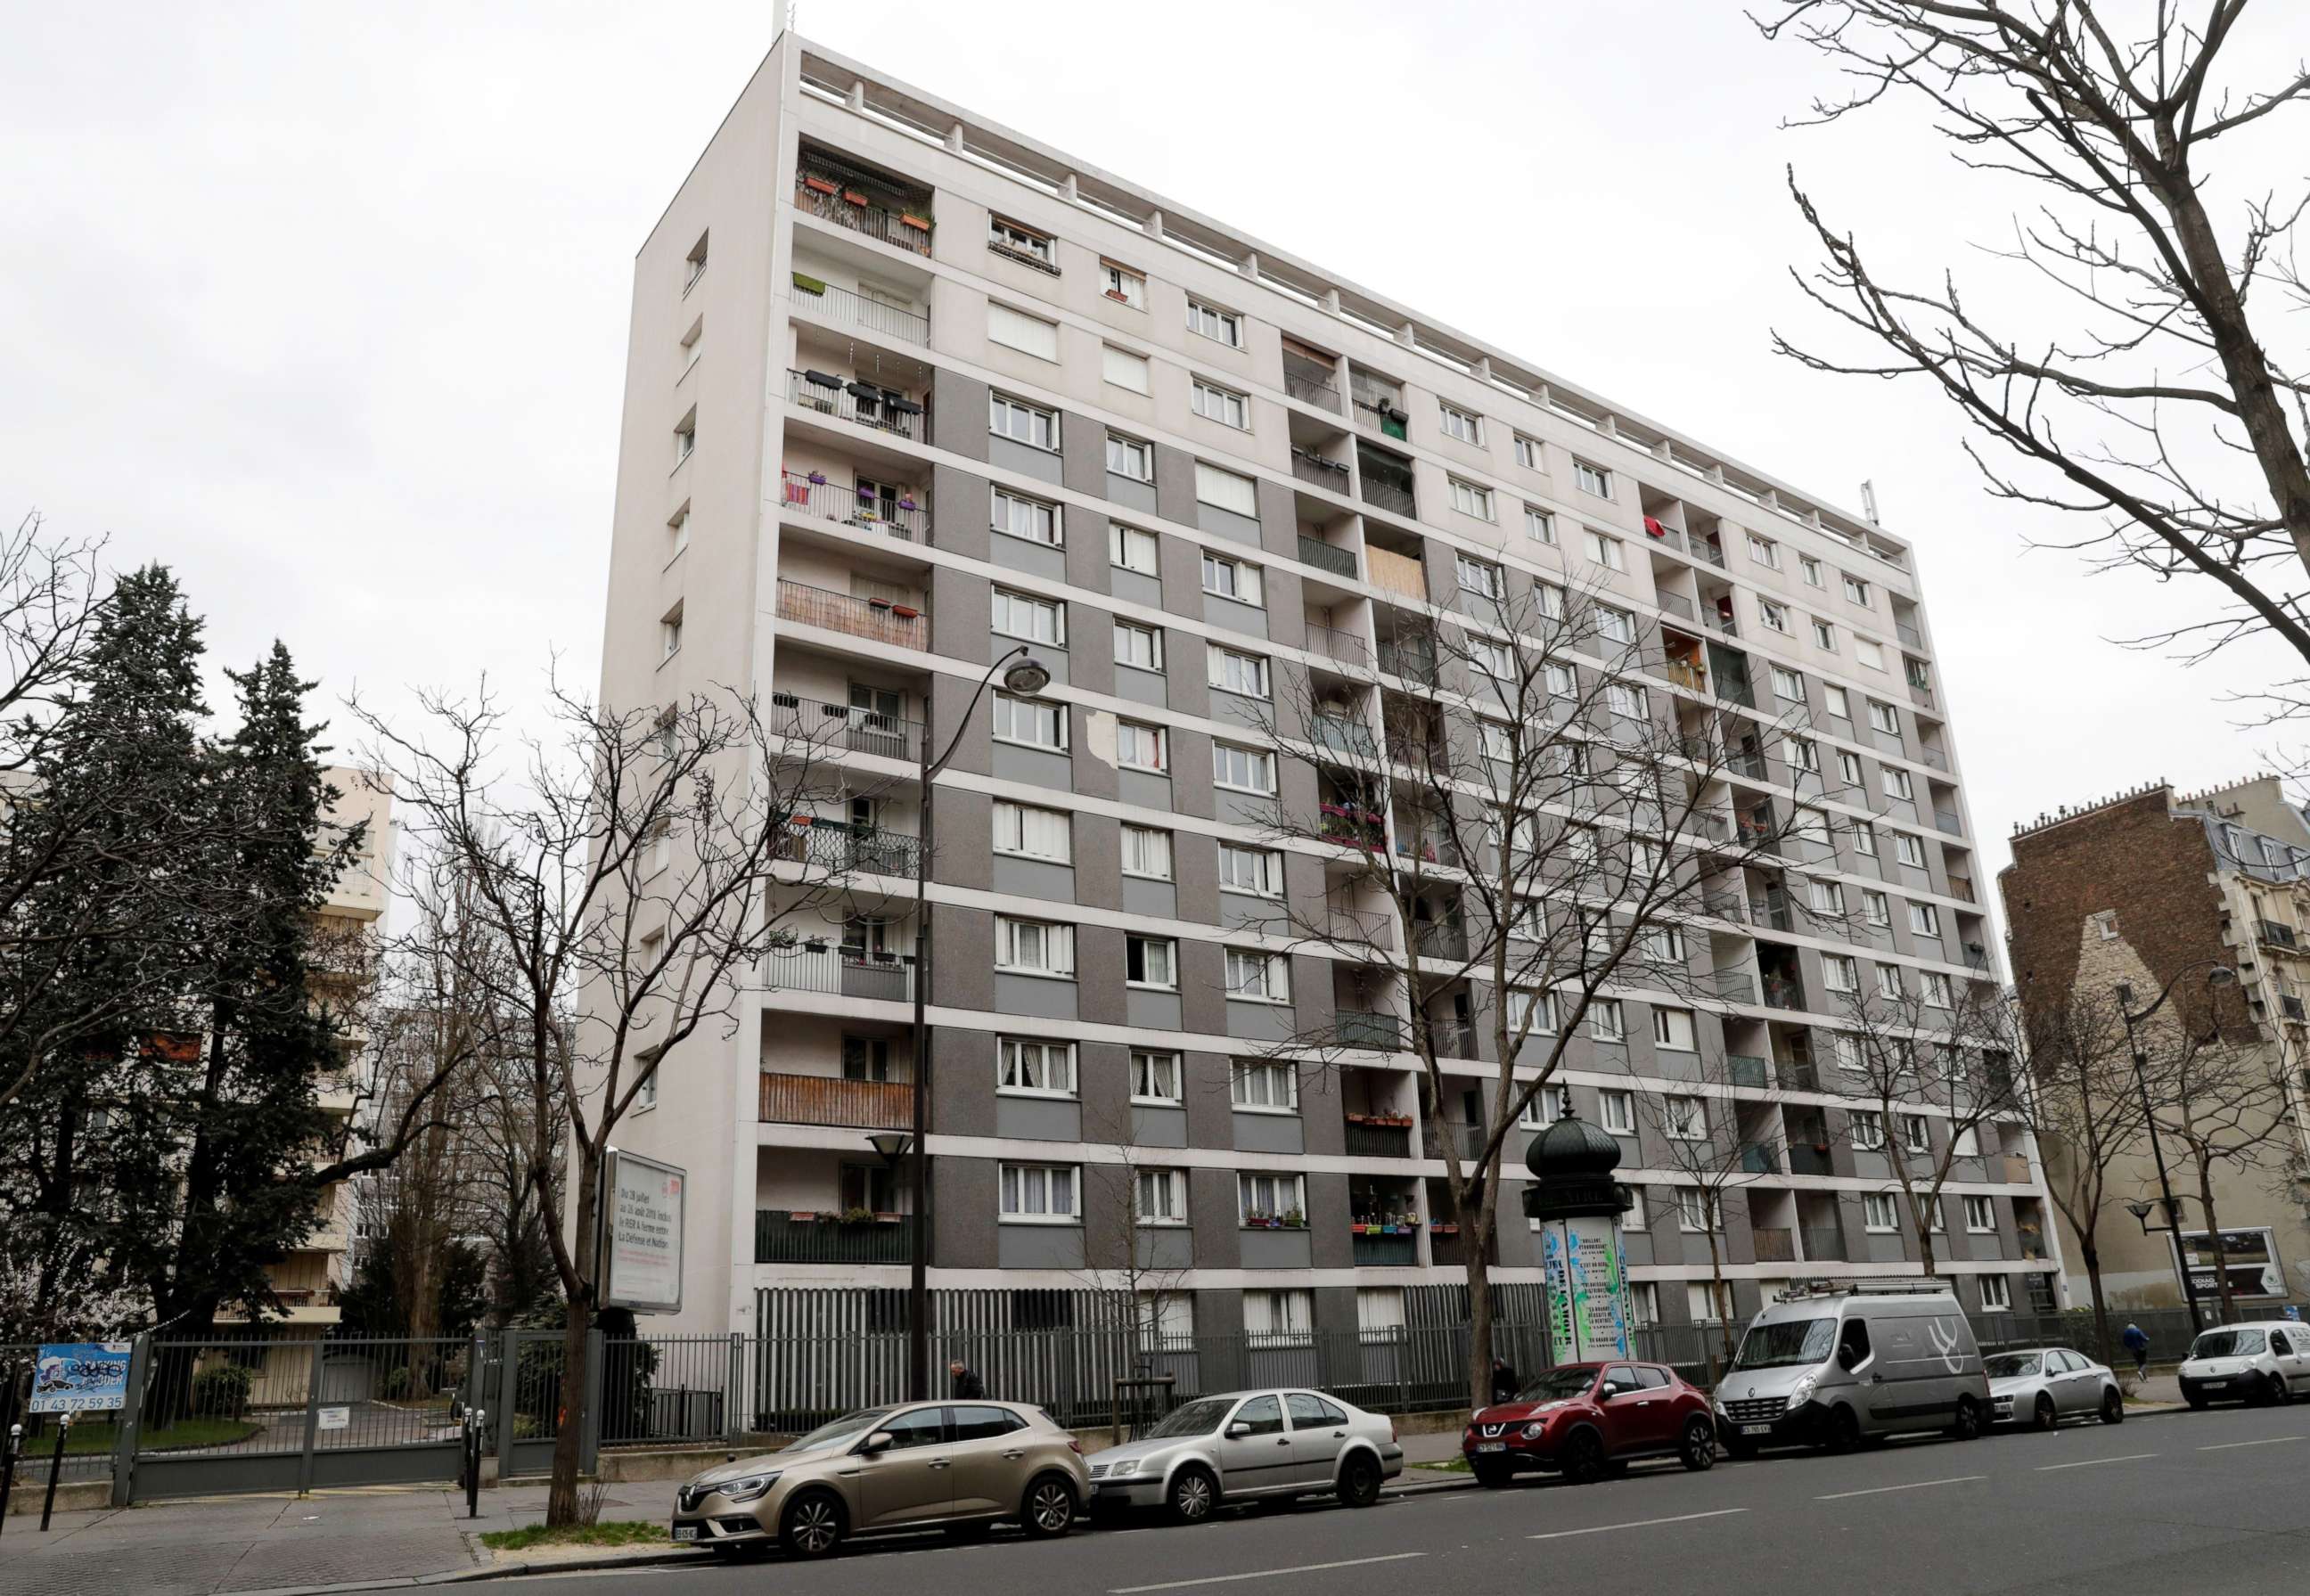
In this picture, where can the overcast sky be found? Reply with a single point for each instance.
(325, 305)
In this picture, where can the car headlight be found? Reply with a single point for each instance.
(752, 1487)
(1802, 1393)
(1535, 1429)
(1129, 1465)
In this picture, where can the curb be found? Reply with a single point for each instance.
(460, 1576)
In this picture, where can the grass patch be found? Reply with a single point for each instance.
(185, 1432)
(1458, 1465)
(616, 1532)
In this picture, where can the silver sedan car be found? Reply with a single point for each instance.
(2049, 1385)
(1249, 1445)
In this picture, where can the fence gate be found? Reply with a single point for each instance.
(265, 1412)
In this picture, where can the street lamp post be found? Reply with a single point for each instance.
(1022, 673)
(2217, 973)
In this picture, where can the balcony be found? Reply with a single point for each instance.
(839, 972)
(877, 620)
(1316, 471)
(1310, 382)
(1436, 940)
(1357, 1027)
(831, 303)
(1430, 849)
(1414, 662)
(1783, 991)
(1776, 1247)
(799, 1238)
(1367, 1138)
(1756, 1158)
(838, 847)
(864, 508)
(1342, 737)
(826, 1100)
(1394, 573)
(1691, 677)
(1453, 1039)
(1390, 1248)
(1386, 481)
(1946, 818)
(1806, 1157)
(1961, 887)
(1909, 634)
(1748, 1070)
(859, 402)
(1330, 641)
(833, 197)
(1324, 556)
(843, 726)
(1822, 1243)
(2271, 933)
(1733, 986)
(1353, 828)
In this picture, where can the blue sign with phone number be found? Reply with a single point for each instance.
(81, 1377)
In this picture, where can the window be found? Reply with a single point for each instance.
(1809, 825)
(1242, 769)
(1469, 499)
(1634, 1217)
(1223, 405)
(1274, 1318)
(1662, 945)
(1846, 1051)
(1909, 850)
(1603, 550)
(1141, 647)
(1478, 575)
(1896, 784)
(1527, 454)
(1848, 768)
(1045, 834)
(1802, 754)
(1924, 920)
(1491, 657)
(1538, 525)
(1034, 947)
(1231, 671)
(1147, 853)
(1828, 897)
(1150, 961)
(1129, 457)
(1212, 322)
(693, 344)
(1812, 569)
(1550, 597)
(1494, 741)
(1696, 1212)
(646, 1098)
(1028, 518)
(1616, 1111)
(1872, 654)
(1877, 908)
(1030, 721)
(1839, 705)
(1824, 636)
(1606, 1023)
(1038, 1193)
(1257, 870)
(1967, 1143)
(1124, 369)
(1868, 1129)
(2104, 924)
(1013, 239)
(1260, 1197)
(1916, 1135)
(1029, 335)
(1878, 1212)
(1139, 746)
(669, 634)
(1776, 616)
(1532, 1013)
(1258, 977)
(1788, 684)
(1980, 1214)
(1023, 422)
(1036, 619)
(1765, 552)
(1155, 1077)
(1617, 626)
(1122, 285)
(1133, 549)
(1884, 717)
(678, 529)
(1046, 1067)
(694, 264)
(1996, 1293)
(1162, 1197)
(1226, 490)
(1686, 1119)
(1857, 591)
(1560, 681)
(1625, 700)
(1936, 988)
(1865, 838)
(1227, 578)
(685, 436)
(1258, 1084)
(1591, 479)
(1840, 972)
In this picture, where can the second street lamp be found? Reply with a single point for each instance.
(2217, 974)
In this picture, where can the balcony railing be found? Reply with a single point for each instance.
(1353, 828)
(876, 620)
(1389, 496)
(1720, 620)
(1318, 471)
(1675, 603)
(2276, 934)
(1756, 1158)
(1946, 818)
(901, 519)
(1441, 941)
(830, 200)
(1356, 1028)
(1378, 1141)
(1776, 1247)
(784, 1237)
(1414, 662)
(1431, 850)
(1326, 557)
(1822, 1243)
(1332, 643)
(859, 402)
(844, 727)
(1310, 383)
(1451, 1038)
(1733, 986)
(839, 305)
(1339, 735)
(1713, 551)
(1386, 1251)
(1934, 757)
(1909, 634)
(829, 1100)
(1749, 1070)
(1960, 887)
(840, 971)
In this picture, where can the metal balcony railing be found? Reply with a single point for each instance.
(1389, 496)
(1384, 1251)
(840, 971)
(1934, 757)
(1356, 1028)
(1909, 634)
(1317, 471)
(900, 625)
(1733, 986)
(787, 1238)
(830, 200)
(1712, 552)
(1310, 383)
(1347, 739)
(859, 402)
(1378, 1141)
(1332, 643)
(844, 727)
(1822, 1243)
(1805, 1158)
(834, 845)
(835, 304)
(902, 518)
(1452, 1038)
(829, 1100)
(1749, 1070)
(1326, 557)
(1946, 818)
(1676, 604)
(1441, 941)
(1756, 1158)
(1414, 662)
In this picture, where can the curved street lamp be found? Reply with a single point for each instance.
(2217, 974)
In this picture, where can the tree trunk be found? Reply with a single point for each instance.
(1480, 1316)
(2092, 1256)
(578, 1317)
(2205, 1164)
(1724, 1302)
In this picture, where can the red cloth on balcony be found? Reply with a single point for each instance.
(1653, 525)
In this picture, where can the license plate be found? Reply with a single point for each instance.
(2213, 1384)
(685, 1532)
(1491, 1446)
(1756, 1429)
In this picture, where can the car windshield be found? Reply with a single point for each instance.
(1199, 1417)
(1571, 1380)
(1786, 1344)
(2229, 1343)
(2006, 1365)
(850, 1426)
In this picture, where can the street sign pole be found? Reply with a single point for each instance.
(8, 1469)
(56, 1467)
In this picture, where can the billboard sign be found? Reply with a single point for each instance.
(81, 1377)
(644, 1218)
(1587, 1288)
(2249, 1257)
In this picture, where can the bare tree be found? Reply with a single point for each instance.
(2169, 410)
(1135, 1255)
(1516, 829)
(2219, 1091)
(629, 880)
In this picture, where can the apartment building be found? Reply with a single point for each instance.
(2154, 886)
(907, 389)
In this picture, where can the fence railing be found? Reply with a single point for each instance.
(835, 845)
(791, 1236)
(840, 971)
(1326, 557)
(903, 228)
(845, 726)
(1317, 471)
(830, 1100)
(1310, 383)
(865, 508)
(1332, 643)
(837, 304)
(1377, 1142)
(900, 625)
(858, 402)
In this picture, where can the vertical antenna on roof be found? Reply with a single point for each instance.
(1869, 502)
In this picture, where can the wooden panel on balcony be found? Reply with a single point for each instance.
(1395, 572)
(1776, 1247)
(900, 625)
(828, 1100)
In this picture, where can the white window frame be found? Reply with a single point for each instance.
(1811, 568)
(1824, 636)
(1869, 654)
(1266, 864)
(1607, 1021)
(1058, 946)
(1159, 1197)
(1698, 1212)
(1235, 671)
(1602, 549)
(1020, 827)
(1141, 844)
(1675, 1030)
(1876, 1203)
(1045, 521)
(1591, 479)
(1925, 919)
(1023, 421)
(1980, 1215)
(1240, 581)
(1258, 769)
(1764, 551)
(1209, 321)
(1833, 966)
(1150, 1067)
(1684, 1118)
(1538, 526)
(1121, 284)
(1472, 499)
(1256, 976)
(1124, 549)
(1857, 591)
(1838, 701)
(1270, 1194)
(1058, 1186)
(1145, 650)
(1044, 619)
(1017, 239)
(1616, 1111)
(1776, 617)
(1143, 735)
(1617, 626)
(1909, 849)
(1262, 1085)
(1916, 1133)
(1527, 452)
(1154, 952)
(1788, 684)
(1224, 406)
(1131, 450)
(1996, 1293)
(1008, 707)
(1018, 1060)
(1867, 1130)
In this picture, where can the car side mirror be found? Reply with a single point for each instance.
(880, 1442)
(1611, 1390)
(1238, 1430)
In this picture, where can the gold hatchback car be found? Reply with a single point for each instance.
(959, 1466)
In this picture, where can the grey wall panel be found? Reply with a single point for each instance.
(1010, 455)
(1034, 997)
(1038, 1119)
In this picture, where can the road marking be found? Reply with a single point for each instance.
(2095, 1462)
(2273, 1441)
(1221, 1579)
(1682, 1518)
(1913, 1486)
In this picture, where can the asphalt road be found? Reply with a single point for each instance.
(2186, 1502)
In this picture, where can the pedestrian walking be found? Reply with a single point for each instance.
(2137, 1343)
(1505, 1384)
(968, 1387)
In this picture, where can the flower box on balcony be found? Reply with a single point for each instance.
(817, 479)
(921, 224)
(905, 611)
(907, 504)
(1442, 1228)
(804, 1216)
(854, 197)
(818, 185)
(809, 285)
(883, 1219)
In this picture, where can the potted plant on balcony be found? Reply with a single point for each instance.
(854, 197)
(1293, 1219)
(817, 479)
(906, 501)
(921, 224)
(817, 185)
(1442, 1228)
(906, 611)
(857, 1216)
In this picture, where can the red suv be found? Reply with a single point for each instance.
(1582, 1418)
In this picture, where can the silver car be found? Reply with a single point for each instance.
(2046, 1385)
(1249, 1445)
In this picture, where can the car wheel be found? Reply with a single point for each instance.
(1492, 1476)
(1584, 1461)
(2113, 1407)
(812, 1525)
(1359, 1481)
(1697, 1449)
(2045, 1415)
(2280, 1393)
(1049, 1509)
(1968, 1427)
(1192, 1494)
(1843, 1429)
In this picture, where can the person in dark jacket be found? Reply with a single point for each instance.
(968, 1387)
(1505, 1384)
(2137, 1341)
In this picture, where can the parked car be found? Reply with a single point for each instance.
(2262, 1362)
(958, 1466)
(1581, 1419)
(1827, 1365)
(1249, 1445)
(2044, 1386)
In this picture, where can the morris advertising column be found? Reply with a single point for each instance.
(1579, 1205)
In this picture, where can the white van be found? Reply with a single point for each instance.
(2264, 1361)
(1827, 1365)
